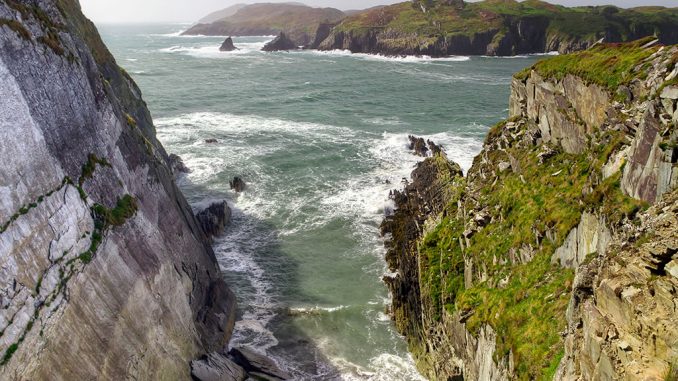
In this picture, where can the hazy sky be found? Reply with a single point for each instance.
(111, 11)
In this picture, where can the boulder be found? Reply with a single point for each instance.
(228, 46)
(258, 365)
(237, 184)
(216, 367)
(177, 165)
(282, 42)
(214, 219)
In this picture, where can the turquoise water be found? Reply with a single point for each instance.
(320, 138)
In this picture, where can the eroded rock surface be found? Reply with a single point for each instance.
(542, 262)
(227, 45)
(282, 42)
(105, 272)
(214, 219)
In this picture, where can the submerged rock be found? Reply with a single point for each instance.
(282, 42)
(258, 365)
(211, 141)
(237, 184)
(177, 165)
(214, 219)
(228, 46)
(216, 367)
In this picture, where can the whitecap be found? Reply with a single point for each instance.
(380, 57)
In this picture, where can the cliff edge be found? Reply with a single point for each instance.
(555, 257)
(104, 272)
(494, 27)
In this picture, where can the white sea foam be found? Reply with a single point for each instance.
(315, 310)
(554, 53)
(379, 57)
(362, 198)
(212, 51)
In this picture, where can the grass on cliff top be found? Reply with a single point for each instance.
(607, 65)
(524, 303)
(483, 16)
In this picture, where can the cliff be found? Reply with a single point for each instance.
(104, 272)
(556, 256)
(494, 27)
(297, 21)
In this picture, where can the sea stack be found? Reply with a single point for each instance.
(228, 46)
(282, 42)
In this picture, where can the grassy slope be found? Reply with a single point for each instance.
(491, 14)
(279, 17)
(528, 310)
(602, 65)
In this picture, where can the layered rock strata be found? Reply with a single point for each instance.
(104, 271)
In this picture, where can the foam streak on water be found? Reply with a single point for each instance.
(321, 139)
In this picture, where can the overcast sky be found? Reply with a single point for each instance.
(120, 11)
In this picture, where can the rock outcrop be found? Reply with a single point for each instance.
(227, 46)
(443, 28)
(280, 43)
(258, 366)
(177, 165)
(237, 184)
(104, 270)
(541, 262)
(214, 219)
(217, 367)
(239, 364)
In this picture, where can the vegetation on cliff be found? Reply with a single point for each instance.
(500, 27)
(298, 21)
(489, 258)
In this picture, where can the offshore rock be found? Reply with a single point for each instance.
(282, 42)
(418, 145)
(214, 219)
(100, 252)
(237, 184)
(227, 46)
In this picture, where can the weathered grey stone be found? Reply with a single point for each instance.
(590, 236)
(213, 220)
(140, 298)
(589, 101)
(670, 92)
(216, 367)
(641, 174)
(255, 362)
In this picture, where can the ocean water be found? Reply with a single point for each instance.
(320, 139)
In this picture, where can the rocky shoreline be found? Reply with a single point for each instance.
(543, 260)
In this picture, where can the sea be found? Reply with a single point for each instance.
(320, 138)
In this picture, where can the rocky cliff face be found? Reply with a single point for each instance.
(545, 262)
(104, 272)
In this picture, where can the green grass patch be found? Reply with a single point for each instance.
(9, 353)
(90, 166)
(607, 65)
(534, 210)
